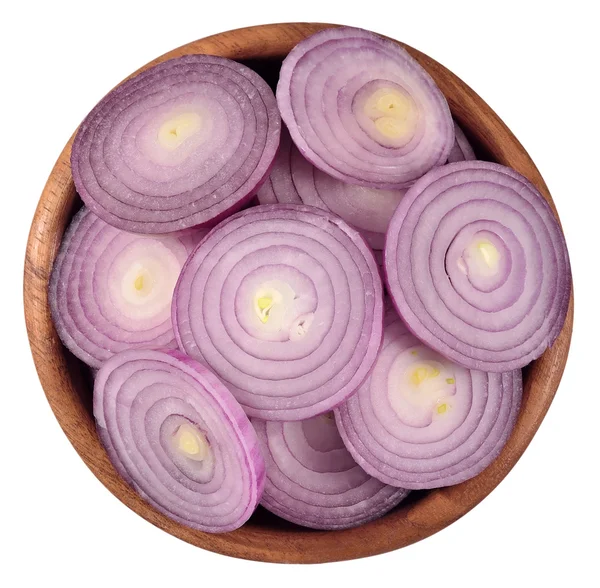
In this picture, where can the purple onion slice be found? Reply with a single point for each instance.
(111, 290)
(477, 266)
(179, 145)
(420, 421)
(284, 304)
(461, 150)
(313, 481)
(179, 438)
(361, 109)
(294, 180)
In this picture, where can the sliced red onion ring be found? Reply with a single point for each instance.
(111, 290)
(284, 303)
(295, 180)
(461, 150)
(361, 109)
(181, 144)
(477, 266)
(420, 421)
(312, 479)
(179, 438)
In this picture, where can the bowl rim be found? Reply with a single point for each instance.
(62, 376)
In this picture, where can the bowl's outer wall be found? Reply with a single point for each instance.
(68, 387)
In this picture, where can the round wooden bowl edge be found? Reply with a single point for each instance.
(67, 386)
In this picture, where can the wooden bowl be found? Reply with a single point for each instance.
(68, 384)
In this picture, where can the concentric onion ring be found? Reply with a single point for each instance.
(420, 421)
(461, 150)
(111, 290)
(180, 144)
(284, 303)
(179, 438)
(478, 267)
(294, 180)
(313, 481)
(361, 109)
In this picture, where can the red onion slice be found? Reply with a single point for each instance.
(420, 421)
(284, 303)
(294, 180)
(313, 481)
(179, 438)
(111, 290)
(461, 150)
(361, 109)
(181, 144)
(477, 266)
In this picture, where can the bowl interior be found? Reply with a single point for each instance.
(68, 383)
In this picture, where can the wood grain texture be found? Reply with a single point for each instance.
(67, 382)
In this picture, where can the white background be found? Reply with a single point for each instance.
(535, 63)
